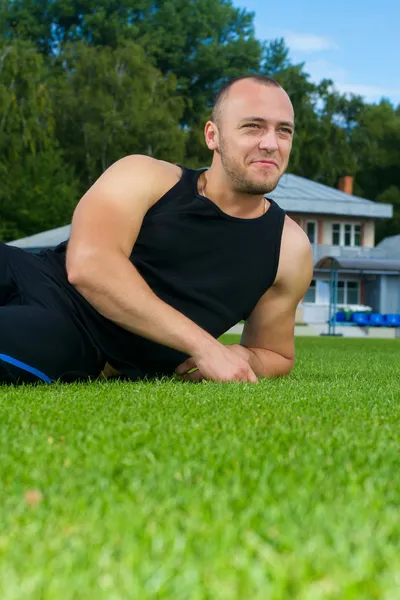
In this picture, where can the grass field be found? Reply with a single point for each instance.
(285, 490)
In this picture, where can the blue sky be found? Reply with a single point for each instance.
(356, 43)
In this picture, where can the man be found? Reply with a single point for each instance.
(162, 260)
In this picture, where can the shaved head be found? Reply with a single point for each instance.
(222, 95)
(251, 133)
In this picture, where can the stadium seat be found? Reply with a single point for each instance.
(376, 320)
(360, 319)
(392, 320)
(340, 317)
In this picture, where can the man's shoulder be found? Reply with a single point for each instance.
(148, 166)
(146, 176)
(295, 261)
(294, 238)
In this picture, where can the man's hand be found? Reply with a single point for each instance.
(222, 363)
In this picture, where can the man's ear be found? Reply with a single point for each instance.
(211, 135)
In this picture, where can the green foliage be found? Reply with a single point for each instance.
(376, 144)
(27, 123)
(38, 192)
(38, 189)
(92, 82)
(204, 43)
(110, 103)
(389, 227)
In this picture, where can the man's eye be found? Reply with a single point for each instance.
(253, 125)
(286, 130)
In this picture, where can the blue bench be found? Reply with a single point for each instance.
(392, 320)
(369, 319)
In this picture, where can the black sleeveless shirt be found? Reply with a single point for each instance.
(208, 265)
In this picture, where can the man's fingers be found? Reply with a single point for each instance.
(185, 366)
(252, 376)
(195, 376)
(189, 371)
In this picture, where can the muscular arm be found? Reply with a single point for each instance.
(268, 335)
(105, 226)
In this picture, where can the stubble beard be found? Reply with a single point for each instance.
(239, 179)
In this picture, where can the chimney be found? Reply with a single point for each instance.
(346, 184)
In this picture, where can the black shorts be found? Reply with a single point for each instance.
(40, 336)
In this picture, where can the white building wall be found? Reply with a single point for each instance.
(326, 221)
(369, 234)
(327, 236)
(390, 294)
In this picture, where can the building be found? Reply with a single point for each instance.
(340, 226)
(390, 245)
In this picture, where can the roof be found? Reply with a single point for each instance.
(390, 245)
(300, 195)
(47, 239)
(366, 265)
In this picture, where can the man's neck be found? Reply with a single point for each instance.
(233, 203)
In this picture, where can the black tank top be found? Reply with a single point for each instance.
(208, 265)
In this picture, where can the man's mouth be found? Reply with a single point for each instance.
(266, 163)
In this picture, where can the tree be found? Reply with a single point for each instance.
(202, 43)
(376, 143)
(391, 226)
(110, 103)
(103, 79)
(37, 188)
(38, 192)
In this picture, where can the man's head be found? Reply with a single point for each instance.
(251, 133)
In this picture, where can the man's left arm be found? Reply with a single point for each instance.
(268, 334)
(267, 341)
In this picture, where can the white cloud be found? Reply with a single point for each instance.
(320, 68)
(323, 69)
(372, 93)
(304, 42)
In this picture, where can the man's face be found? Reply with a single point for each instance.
(254, 136)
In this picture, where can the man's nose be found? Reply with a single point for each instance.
(269, 141)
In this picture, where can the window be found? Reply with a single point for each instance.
(348, 292)
(340, 292)
(357, 235)
(353, 288)
(311, 230)
(311, 293)
(346, 234)
(336, 234)
(323, 291)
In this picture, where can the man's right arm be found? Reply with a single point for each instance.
(105, 227)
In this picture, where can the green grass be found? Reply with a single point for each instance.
(285, 490)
